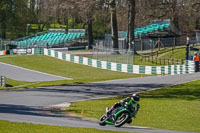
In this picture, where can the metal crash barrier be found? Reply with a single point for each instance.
(3, 81)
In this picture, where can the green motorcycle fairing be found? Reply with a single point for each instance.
(123, 110)
(120, 111)
(110, 123)
(116, 114)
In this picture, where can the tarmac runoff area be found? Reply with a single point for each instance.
(23, 74)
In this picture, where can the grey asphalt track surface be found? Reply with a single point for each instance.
(32, 105)
(22, 74)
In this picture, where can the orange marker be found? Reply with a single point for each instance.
(82, 112)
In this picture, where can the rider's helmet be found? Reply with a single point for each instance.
(136, 97)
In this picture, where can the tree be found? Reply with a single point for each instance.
(83, 9)
(45, 13)
(194, 9)
(114, 26)
(13, 15)
(87, 9)
(131, 24)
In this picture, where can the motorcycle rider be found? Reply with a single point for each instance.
(131, 102)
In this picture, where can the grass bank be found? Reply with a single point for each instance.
(173, 108)
(14, 127)
(79, 73)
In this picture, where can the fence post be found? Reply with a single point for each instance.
(3, 81)
(164, 60)
(156, 60)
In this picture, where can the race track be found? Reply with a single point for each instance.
(22, 74)
(32, 105)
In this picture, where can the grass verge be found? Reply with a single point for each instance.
(79, 73)
(12, 84)
(173, 108)
(14, 127)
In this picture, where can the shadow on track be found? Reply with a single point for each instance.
(99, 89)
(25, 110)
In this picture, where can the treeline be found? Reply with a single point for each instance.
(97, 16)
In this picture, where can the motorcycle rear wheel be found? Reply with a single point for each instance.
(121, 119)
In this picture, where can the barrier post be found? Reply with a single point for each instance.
(3, 81)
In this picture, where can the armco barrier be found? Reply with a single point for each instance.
(188, 67)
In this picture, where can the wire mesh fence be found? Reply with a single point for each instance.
(145, 43)
(103, 50)
(113, 55)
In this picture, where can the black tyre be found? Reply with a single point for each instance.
(129, 121)
(102, 121)
(121, 119)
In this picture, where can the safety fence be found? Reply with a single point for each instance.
(161, 61)
(124, 56)
(187, 67)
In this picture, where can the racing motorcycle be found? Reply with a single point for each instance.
(117, 117)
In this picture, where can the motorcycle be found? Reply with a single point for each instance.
(117, 117)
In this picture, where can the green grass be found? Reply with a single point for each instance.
(14, 127)
(165, 56)
(156, 51)
(79, 73)
(12, 84)
(15, 83)
(167, 53)
(179, 53)
(173, 108)
(175, 57)
(146, 63)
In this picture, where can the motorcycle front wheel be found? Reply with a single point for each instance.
(102, 121)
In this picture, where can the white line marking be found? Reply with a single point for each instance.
(36, 71)
(67, 104)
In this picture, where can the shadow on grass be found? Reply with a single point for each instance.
(8, 85)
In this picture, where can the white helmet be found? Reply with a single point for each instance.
(136, 97)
